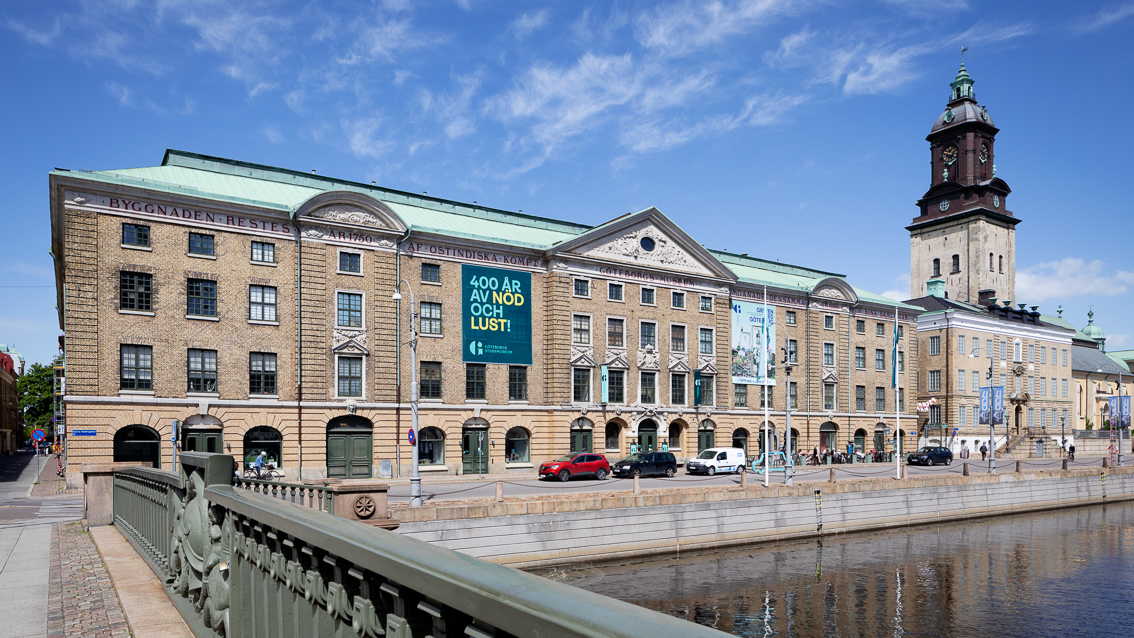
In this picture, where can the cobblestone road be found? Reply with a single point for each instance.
(81, 598)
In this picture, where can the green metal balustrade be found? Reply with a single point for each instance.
(315, 496)
(244, 564)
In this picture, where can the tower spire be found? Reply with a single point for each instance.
(962, 84)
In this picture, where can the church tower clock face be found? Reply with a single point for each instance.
(983, 152)
(949, 155)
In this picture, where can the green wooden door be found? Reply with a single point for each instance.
(879, 440)
(581, 440)
(202, 441)
(705, 439)
(647, 438)
(349, 455)
(474, 451)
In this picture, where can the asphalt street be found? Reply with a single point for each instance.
(445, 489)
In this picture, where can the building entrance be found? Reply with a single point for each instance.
(349, 447)
(137, 443)
(647, 436)
(474, 449)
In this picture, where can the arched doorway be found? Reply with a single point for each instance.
(430, 447)
(860, 440)
(135, 443)
(517, 445)
(613, 434)
(675, 430)
(474, 447)
(880, 437)
(706, 435)
(582, 435)
(349, 447)
(828, 437)
(647, 436)
(263, 439)
(794, 444)
(740, 439)
(202, 433)
(771, 433)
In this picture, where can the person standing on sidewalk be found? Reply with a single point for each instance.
(983, 451)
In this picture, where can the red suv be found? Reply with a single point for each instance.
(578, 464)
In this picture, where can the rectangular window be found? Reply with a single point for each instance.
(677, 338)
(789, 317)
(793, 351)
(202, 370)
(901, 400)
(474, 381)
(934, 345)
(766, 397)
(961, 344)
(582, 288)
(1003, 350)
(860, 358)
(1019, 381)
(880, 329)
(648, 336)
(429, 385)
(879, 359)
(350, 376)
(135, 291)
(616, 386)
(614, 332)
(263, 252)
(988, 348)
(677, 299)
(200, 244)
(1065, 358)
(1043, 354)
(793, 395)
(879, 400)
(261, 373)
(1043, 386)
(935, 414)
(1031, 353)
(581, 329)
(860, 326)
(934, 380)
(262, 303)
(350, 262)
(828, 354)
(648, 296)
(740, 395)
(1064, 389)
(829, 322)
(964, 414)
(860, 398)
(350, 310)
(961, 381)
(828, 396)
(135, 235)
(1031, 417)
(137, 370)
(901, 361)
(430, 318)
(581, 385)
(706, 341)
(1004, 381)
(201, 298)
(517, 383)
(706, 304)
(649, 387)
(677, 389)
(614, 292)
(901, 332)
(707, 395)
(1031, 385)
(431, 273)
(976, 381)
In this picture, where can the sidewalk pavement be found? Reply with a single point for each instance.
(147, 608)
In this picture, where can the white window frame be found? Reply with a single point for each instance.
(574, 283)
(711, 329)
(642, 332)
(336, 310)
(934, 345)
(790, 318)
(625, 335)
(672, 297)
(362, 396)
(832, 322)
(641, 295)
(339, 259)
(590, 384)
(834, 354)
(621, 287)
(712, 304)
(590, 330)
(669, 337)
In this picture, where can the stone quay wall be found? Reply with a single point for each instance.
(546, 532)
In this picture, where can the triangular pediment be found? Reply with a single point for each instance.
(583, 360)
(350, 346)
(617, 361)
(679, 365)
(646, 239)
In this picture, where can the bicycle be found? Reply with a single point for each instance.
(266, 474)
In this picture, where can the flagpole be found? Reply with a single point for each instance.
(897, 405)
(764, 366)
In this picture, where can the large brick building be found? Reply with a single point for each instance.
(255, 305)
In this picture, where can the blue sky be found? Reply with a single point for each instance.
(787, 130)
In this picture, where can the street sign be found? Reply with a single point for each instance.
(84, 432)
(38, 434)
(411, 437)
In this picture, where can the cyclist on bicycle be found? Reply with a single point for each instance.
(260, 464)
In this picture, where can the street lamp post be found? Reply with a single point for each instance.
(415, 476)
(1062, 435)
(991, 421)
(789, 468)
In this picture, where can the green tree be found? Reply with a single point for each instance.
(36, 396)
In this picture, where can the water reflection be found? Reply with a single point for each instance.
(1065, 573)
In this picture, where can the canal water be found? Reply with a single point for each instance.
(1063, 573)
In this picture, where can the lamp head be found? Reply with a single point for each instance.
(397, 296)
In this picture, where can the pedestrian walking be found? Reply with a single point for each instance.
(983, 451)
(1071, 452)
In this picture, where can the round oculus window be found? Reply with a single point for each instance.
(944, 205)
(647, 244)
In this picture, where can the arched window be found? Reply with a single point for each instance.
(675, 436)
(137, 443)
(860, 440)
(740, 440)
(956, 263)
(828, 437)
(516, 445)
(430, 447)
(936, 267)
(1002, 264)
(705, 435)
(990, 268)
(581, 435)
(263, 439)
(612, 432)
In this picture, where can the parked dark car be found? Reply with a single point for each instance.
(576, 464)
(931, 456)
(647, 464)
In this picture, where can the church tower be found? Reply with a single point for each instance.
(964, 235)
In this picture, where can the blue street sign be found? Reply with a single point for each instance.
(38, 435)
(410, 436)
(84, 432)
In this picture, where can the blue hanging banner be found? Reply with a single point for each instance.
(998, 405)
(985, 411)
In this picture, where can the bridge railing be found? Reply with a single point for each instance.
(244, 564)
(318, 497)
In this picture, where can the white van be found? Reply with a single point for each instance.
(717, 459)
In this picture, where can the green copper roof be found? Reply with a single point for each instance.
(1091, 330)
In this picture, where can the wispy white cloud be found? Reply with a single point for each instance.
(272, 134)
(1106, 17)
(362, 135)
(679, 28)
(120, 93)
(529, 23)
(881, 71)
(36, 36)
(1071, 277)
(1117, 342)
(902, 292)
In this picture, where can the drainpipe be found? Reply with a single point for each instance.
(298, 335)
(398, 354)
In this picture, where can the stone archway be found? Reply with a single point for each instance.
(137, 443)
(350, 440)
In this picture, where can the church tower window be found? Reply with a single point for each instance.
(936, 267)
(956, 263)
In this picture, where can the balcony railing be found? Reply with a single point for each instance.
(238, 563)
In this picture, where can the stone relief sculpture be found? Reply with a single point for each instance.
(648, 358)
(665, 252)
(348, 216)
(831, 293)
(582, 355)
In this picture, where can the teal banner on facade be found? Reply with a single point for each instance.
(496, 315)
(604, 377)
(696, 387)
(753, 343)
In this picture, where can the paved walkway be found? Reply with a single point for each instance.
(82, 601)
(148, 609)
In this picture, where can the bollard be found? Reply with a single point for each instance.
(743, 480)
(1064, 465)
(1017, 467)
(499, 491)
(965, 469)
(1104, 462)
(832, 479)
(637, 484)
